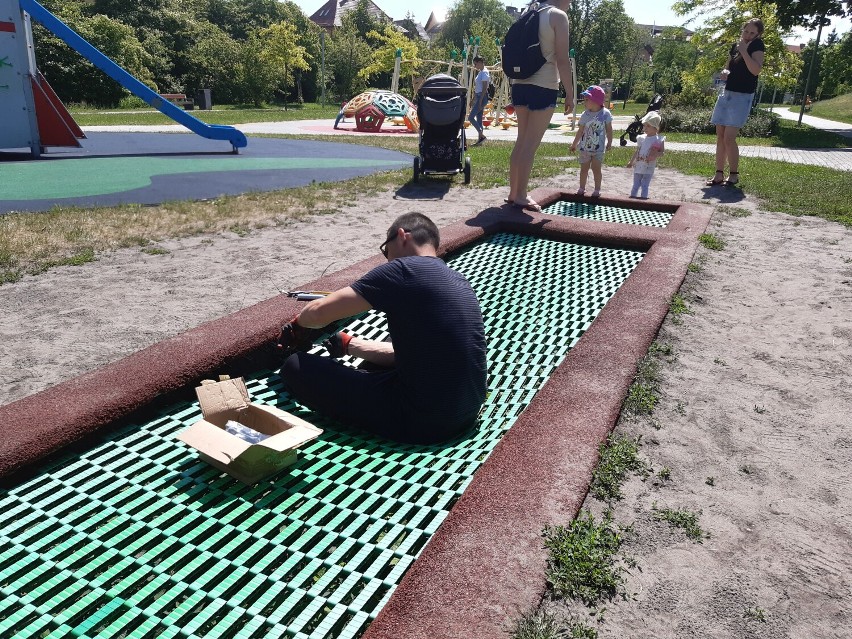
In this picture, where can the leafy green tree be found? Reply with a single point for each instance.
(283, 53)
(72, 76)
(674, 53)
(836, 70)
(719, 32)
(384, 56)
(488, 15)
(347, 53)
(603, 38)
(213, 62)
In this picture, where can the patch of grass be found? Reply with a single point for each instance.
(155, 250)
(711, 241)
(642, 397)
(755, 614)
(759, 409)
(221, 114)
(781, 186)
(733, 211)
(719, 361)
(10, 276)
(745, 469)
(789, 135)
(838, 108)
(665, 473)
(694, 267)
(542, 624)
(710, 481)
(683, 519)
(618, 456)
(678, 305)
(583, 561)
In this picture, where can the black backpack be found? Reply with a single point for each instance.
(521, 49)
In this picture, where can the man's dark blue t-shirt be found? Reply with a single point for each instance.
(437, 333)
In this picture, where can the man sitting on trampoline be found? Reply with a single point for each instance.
(428, 383)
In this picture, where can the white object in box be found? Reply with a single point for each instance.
(229, 400)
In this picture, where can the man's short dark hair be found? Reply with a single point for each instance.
(478, 58)
(422, 229)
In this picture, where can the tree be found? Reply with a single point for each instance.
(674, 53)
(788, 13)
(489, 15)
(719, 32)
(384, 57)
(72, 76)
(603, 38)
(282, 52)
(836, 70)
(347, 53)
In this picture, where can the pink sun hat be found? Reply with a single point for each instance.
(595, 94)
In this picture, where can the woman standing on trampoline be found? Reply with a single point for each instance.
(534, 98)
(745, 62)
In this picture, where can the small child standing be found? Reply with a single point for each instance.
(649, 146)
(594, 137)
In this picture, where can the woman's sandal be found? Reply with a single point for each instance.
(730, 182)
(714, 181)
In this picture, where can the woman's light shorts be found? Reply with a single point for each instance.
(732, 108)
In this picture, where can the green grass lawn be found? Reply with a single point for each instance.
(838, 109)
(219, 115)
(790, 135)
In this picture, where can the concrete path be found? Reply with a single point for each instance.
(839, 159)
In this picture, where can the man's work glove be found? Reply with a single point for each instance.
(338, 344)
(295, 337)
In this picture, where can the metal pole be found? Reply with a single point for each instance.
(810, 70)
(322, 68)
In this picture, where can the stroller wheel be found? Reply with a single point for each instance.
(467, 170)
(416, 169)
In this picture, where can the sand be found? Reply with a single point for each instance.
(757, 397)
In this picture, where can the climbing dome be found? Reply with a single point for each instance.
(371, 108)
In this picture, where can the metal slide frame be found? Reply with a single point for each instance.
(137, 88)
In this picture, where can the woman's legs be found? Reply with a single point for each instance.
(732, 149)
(531, 128)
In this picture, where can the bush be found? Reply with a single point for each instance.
(760, 124)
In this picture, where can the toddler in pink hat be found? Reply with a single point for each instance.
(594, 137)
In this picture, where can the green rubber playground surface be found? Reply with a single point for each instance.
(607, 213)
(98, 176)
(135, 537)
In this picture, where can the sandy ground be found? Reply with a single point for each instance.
(757, 397)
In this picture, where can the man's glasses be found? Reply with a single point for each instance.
(384, 245)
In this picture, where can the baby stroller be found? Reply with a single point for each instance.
(635, 127)
(441, 103)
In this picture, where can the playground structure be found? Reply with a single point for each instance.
(499, 111)
(32, 115)
(371, 108)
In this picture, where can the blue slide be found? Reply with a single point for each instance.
(81, 46)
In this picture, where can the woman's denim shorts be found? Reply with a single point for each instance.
(533, 97)
(732, 108)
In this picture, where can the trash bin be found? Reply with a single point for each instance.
(203, 99)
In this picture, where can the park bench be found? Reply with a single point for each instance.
(180, 100)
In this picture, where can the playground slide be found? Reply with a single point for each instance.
(73, 40)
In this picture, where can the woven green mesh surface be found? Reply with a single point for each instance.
(606, 213)
(134, 537)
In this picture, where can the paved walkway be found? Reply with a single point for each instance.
(839, 159)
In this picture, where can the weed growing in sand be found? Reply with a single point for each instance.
(680, 409)
(711, 241)
(759, 409)
(694, 267)
(733, 211)
(710, 481)
(541, 624)
(154, 250)
(678, 305)
(582, 564)
(720, 361)
(642, 397)
(745, 469)
(665, 473)
(684, 519)
(664, 350)
(619, 455)
(755, 614)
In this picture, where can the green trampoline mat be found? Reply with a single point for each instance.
(136, 538)
(607, 213)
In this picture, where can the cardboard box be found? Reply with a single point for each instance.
(229, 400)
